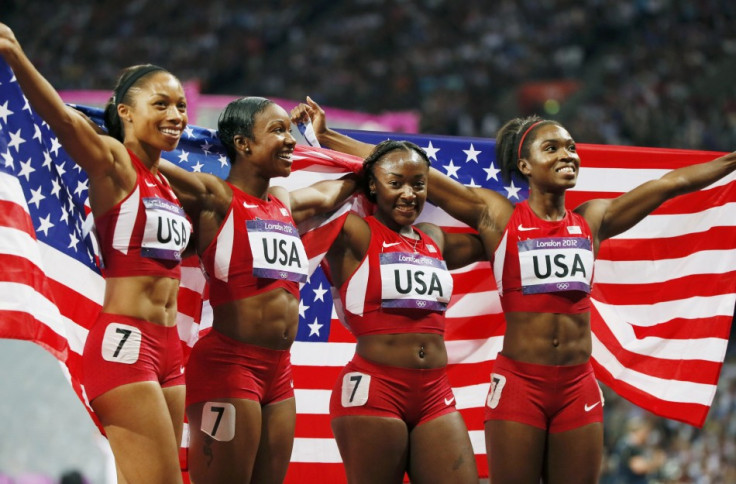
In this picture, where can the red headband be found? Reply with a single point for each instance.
(521, 143)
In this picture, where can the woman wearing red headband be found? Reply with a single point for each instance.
(544, 411)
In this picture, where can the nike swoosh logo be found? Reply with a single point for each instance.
(588, 408)
(247, 205)
(152, 185)
(521, 228)
(448, 401)
(182, 369)
(391, 244)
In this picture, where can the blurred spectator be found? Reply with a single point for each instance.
(639, 459)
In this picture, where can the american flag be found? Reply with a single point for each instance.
(663, 295)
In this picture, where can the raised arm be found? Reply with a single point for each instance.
(458, 249)
(608, 218)
(318, 198)
(477, 207)
(327, 137)
(195, 191)
(94, 153)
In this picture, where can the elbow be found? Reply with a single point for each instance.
(67, 123)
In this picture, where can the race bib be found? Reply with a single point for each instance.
(494, 395)
(121, 343)
(555, 264)
(414, 281)
(355, 387)
(218, 420)
(278, 252)
(167, 230)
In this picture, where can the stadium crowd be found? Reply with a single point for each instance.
(649, 72)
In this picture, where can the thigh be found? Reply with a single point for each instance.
(174, 397)
(276, 443)
(515, 452)
(139, 427)
(223, 440)
(373, 449)
(575, 456)
(440, 451)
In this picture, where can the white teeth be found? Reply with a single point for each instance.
(566, 169)
(172, 132)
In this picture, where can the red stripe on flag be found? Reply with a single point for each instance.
(686, 329)
(716, 238)
(306, 472)
(14, 216)
(699, 285)
(690, 370)
(639, 158)
(313, 426)
(690, 413)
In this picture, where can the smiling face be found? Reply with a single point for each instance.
(157, 114)
(400, 184)
(552, 162)
(272, 145)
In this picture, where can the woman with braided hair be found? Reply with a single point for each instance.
(544, 410)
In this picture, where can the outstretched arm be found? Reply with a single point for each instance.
(327, 137)
(608, 218)
(94, 153)
(318, 198)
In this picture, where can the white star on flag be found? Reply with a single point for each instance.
(431, 151)
(319, 293)
(472, 154)
(492, 172)
(315, 327)
(452, 169)
(302, 308)
(513, 191)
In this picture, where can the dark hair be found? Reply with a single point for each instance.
(381, 150)
(513, 140)
(131, 77)
(238, 118)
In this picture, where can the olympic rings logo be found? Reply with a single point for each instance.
(562, 286)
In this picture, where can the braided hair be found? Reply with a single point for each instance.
(381, 150)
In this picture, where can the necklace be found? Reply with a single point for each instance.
(408, 238)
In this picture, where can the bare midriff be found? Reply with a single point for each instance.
(269, 319)
(548, 338)
(405, 350)
(150, 298)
